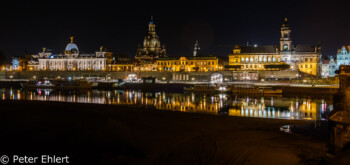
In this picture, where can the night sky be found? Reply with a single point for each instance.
(27, 26)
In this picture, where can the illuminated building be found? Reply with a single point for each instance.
(71, 60)
(304, 58)
(152, 48)
(15, 64)
(254, 58)
(188, 64)
(343, 56)
(146, 67)
(328, 68)
(121, 66)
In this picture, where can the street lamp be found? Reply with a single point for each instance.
(107, 75)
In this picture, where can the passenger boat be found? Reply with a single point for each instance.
(246, 89)
(38, 84)
(75, 85)
(60, 84)
(208, 88)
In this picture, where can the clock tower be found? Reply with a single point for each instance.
(285, 42)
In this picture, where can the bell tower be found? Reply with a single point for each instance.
(285, 42)
(151, 27)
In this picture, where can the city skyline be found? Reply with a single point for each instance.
(48, 24)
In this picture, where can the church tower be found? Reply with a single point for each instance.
(151, 27)
(196, 49)
(152, 48)
(285, 42)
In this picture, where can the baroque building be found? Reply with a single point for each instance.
(193, 63)
(71, 60)
(304, 58)
(343, 56)
(328, 67)
(152, 48)
(188, 64)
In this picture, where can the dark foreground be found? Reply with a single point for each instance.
(107, 134)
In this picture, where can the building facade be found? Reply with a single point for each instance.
(343, 56)
(255, 58)
(71, 60)
(328, 67)
(304, 58)
(188, 64)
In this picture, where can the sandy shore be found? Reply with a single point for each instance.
(109, 134)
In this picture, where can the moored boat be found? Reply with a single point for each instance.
(75, 84)
(208, 88)
(255, 90)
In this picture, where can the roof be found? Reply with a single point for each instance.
(274, 48)
(189, 58)
(325, 61)
(71, 46)
(167, 59)
(304, 48)
(259, 49)
(201, 58)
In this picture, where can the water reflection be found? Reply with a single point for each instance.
(233, 105)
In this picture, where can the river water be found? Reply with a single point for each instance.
(305, 107)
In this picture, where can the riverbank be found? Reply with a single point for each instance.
(179, 87)
(110, 134)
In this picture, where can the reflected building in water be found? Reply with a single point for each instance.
(233, 105)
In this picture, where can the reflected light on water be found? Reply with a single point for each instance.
(232, 105)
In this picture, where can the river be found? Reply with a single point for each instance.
(306, 107)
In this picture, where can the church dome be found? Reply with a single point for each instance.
(72, 48)
(152, 41)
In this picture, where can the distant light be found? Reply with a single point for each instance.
(255, 45)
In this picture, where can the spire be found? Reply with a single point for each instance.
(285, 23)
(71, 39)
(151, 22)
(196, 49)
(151, 27)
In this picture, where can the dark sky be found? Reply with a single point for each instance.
(121, 26)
